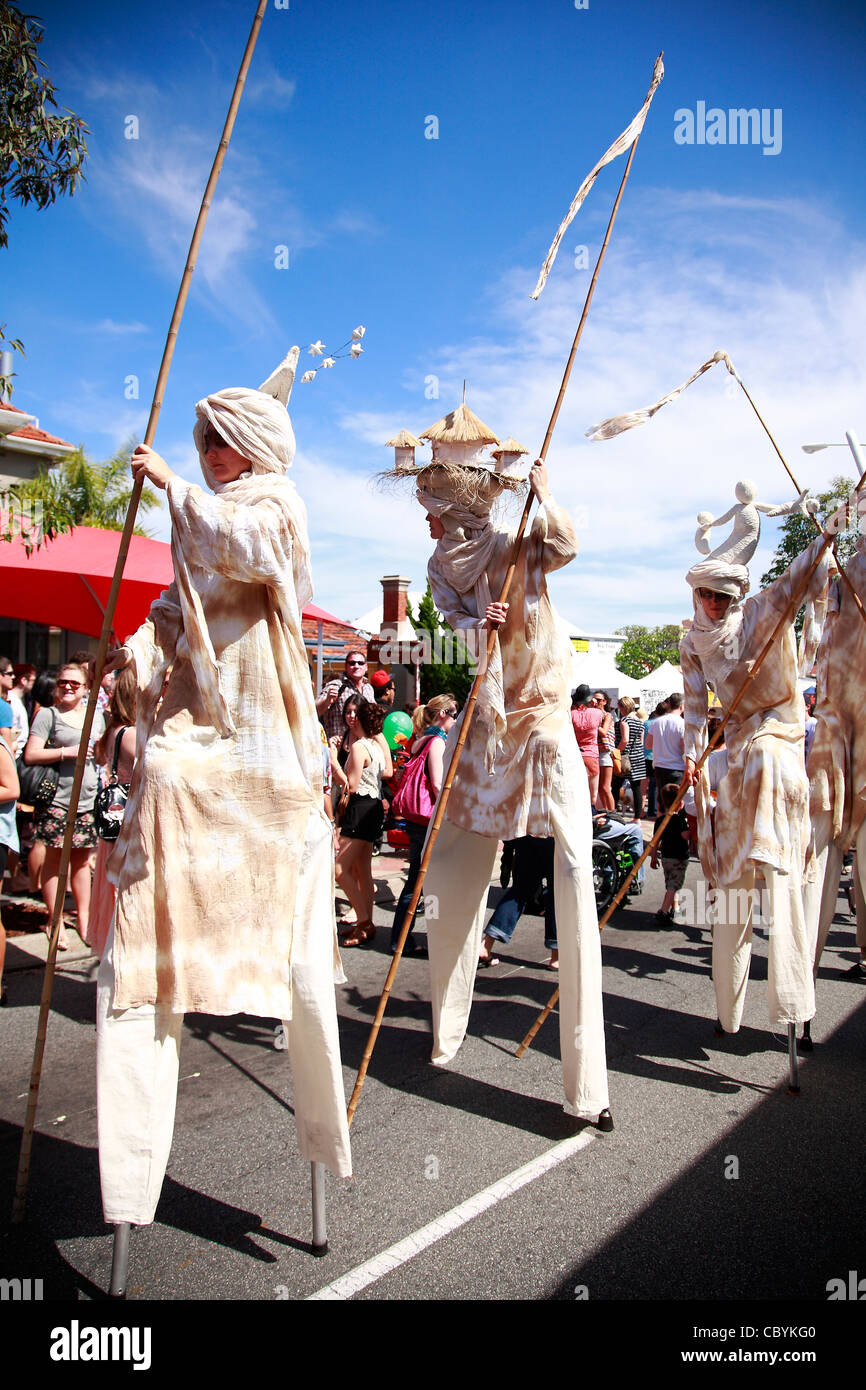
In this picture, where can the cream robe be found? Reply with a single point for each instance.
(513, 800)
(207, 862)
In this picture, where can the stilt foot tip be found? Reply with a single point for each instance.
(719, 1030)
(805, 1044)
(604, 1123)
(793, 1090)
(319, 1250)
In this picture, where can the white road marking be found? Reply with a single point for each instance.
(363, 1275)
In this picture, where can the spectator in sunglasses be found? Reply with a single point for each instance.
(54, 739)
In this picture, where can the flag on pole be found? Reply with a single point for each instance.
(619, 146)
(618, 424)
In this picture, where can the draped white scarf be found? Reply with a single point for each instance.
(718, 644)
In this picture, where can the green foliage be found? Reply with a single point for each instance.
(78, 492)
(797, 532)
(645, 648)
(437, 677)
(41, 154)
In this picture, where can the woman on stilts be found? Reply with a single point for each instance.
(225, 889)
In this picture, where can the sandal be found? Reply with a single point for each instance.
(362, 934)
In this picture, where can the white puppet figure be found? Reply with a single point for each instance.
(224, 865)
(762, 813)
(740, 545)
(520, 772)
(837, 762)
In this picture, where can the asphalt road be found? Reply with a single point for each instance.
(715, 1185)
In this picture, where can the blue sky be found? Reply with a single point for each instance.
(435, 245)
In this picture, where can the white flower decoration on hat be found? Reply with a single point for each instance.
(317, 349)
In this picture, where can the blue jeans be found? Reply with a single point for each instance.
(533, 863)
(651, 791)
(417, 834)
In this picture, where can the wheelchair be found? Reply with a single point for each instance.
(611, 865)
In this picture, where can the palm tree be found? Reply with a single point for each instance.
(79, 492)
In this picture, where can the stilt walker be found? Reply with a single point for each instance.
(761, 822)
(520, 772)
(223, 866)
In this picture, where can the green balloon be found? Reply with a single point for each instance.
(397, 728)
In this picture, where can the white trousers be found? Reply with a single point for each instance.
(790, 989)
(138, 1053)
(820, 897)
(455, 897)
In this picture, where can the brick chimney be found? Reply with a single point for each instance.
(394, 590)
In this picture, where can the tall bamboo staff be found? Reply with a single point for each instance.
(155, 408)
(787, 617)
(633, 131)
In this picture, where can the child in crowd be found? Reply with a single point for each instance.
(674, 847)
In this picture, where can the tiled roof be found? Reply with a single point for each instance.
(31, 432)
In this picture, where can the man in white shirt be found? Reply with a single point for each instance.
(665, 740)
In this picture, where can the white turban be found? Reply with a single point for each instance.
(253, 423)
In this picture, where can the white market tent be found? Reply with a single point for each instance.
(659, 684)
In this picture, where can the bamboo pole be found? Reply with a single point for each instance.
(786, 617)
(476, 685)
(155, 408)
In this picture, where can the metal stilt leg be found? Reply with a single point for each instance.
(119, 1261)
(320, 1223)
(793, 1061)
(806, 1044)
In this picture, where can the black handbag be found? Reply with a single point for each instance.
(110, 803)
(38, 784)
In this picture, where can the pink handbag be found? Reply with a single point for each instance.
(413, 799)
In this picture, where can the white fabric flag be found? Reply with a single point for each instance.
(618, 147)
(617, 424)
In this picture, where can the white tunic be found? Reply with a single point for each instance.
(513, 799)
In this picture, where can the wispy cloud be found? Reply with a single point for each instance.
(269, 88)
(115, 329)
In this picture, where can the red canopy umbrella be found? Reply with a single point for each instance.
(66, 582)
